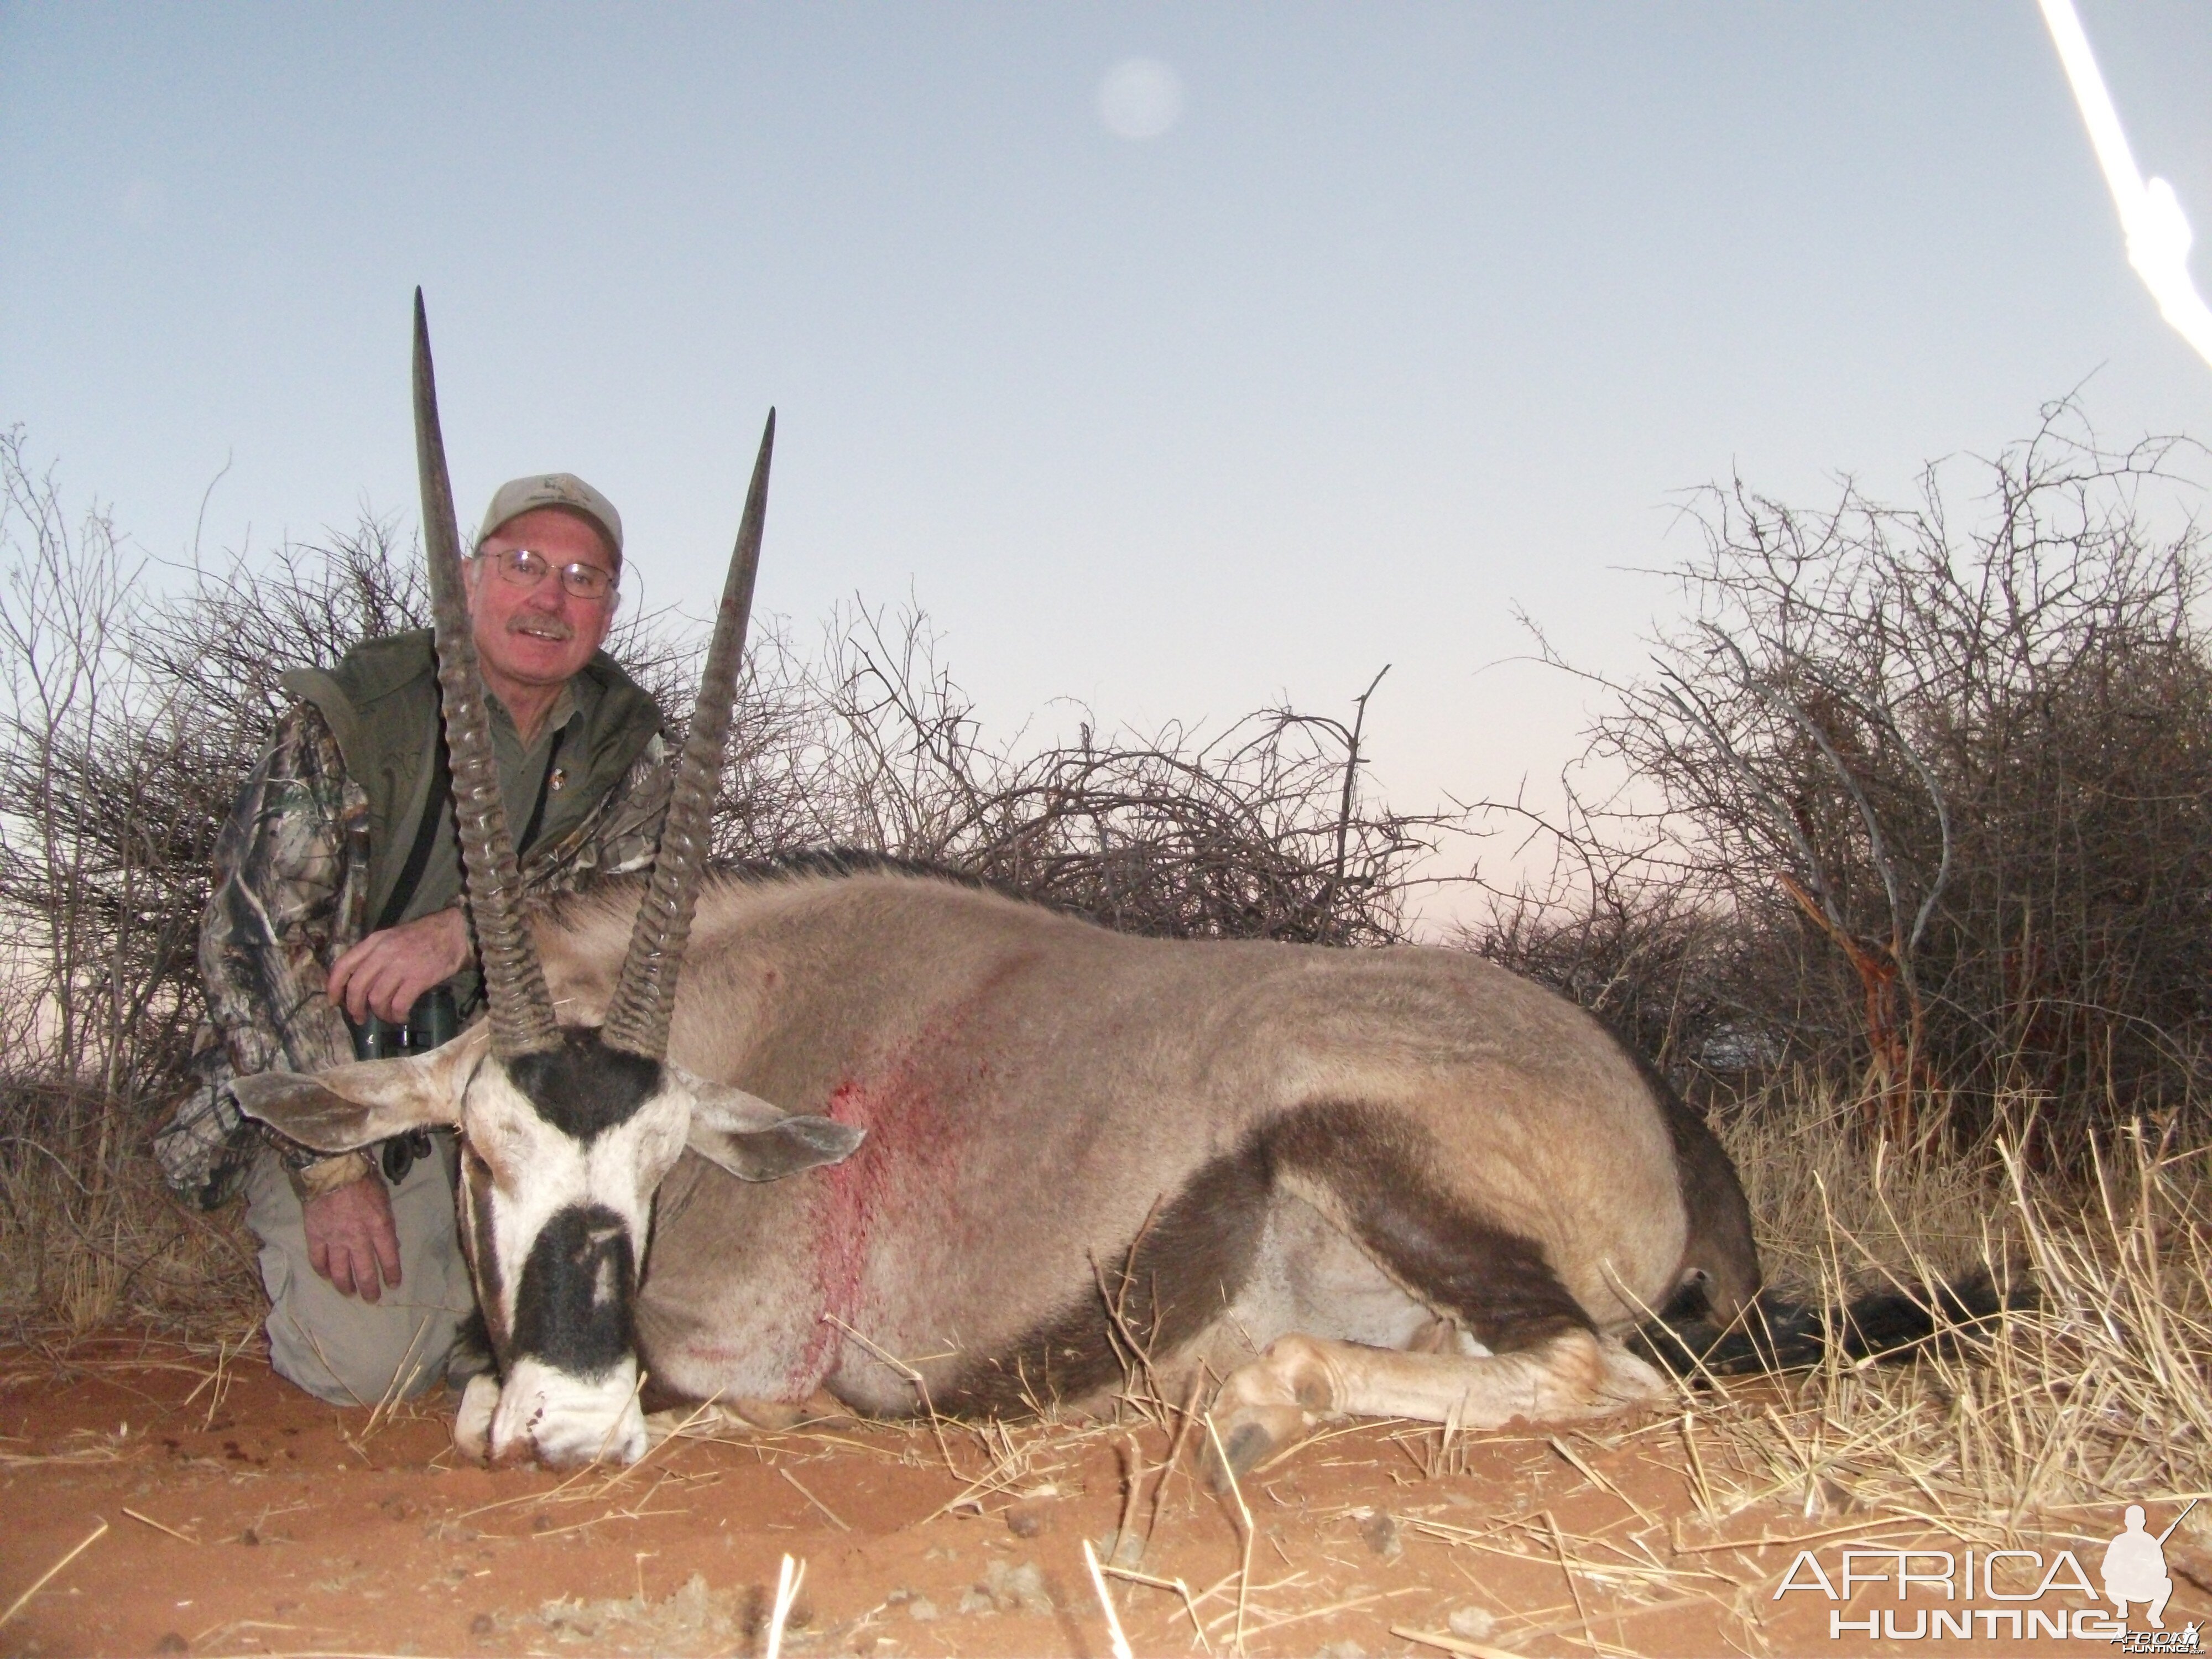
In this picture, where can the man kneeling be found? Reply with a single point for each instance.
(336, 929)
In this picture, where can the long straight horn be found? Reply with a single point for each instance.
(637, 1019)
(521, 1007)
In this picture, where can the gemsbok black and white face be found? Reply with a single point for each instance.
(566, 1132)
(561, 1152)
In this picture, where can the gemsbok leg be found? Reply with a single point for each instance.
(1301, 1382)
(1392, 1189)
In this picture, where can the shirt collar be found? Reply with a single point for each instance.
(567, 708)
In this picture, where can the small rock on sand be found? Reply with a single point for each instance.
(1473, 1623)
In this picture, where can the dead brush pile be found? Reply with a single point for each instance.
(1919, 792)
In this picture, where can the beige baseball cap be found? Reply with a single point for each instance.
(520, 496)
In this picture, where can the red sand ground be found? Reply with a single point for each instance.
(243, 1517)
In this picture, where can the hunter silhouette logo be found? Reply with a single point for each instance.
(2134, 1568)
(2026, 1592)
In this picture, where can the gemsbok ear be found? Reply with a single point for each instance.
(353, 1106)
(756, 1141)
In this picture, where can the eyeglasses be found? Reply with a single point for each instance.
(526, 568)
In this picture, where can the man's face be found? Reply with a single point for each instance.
(537, 636)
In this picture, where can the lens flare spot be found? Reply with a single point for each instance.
(1140, 98)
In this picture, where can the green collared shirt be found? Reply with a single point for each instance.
(531, 780)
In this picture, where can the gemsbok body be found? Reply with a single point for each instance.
(919, 1145)
(1082, 1148)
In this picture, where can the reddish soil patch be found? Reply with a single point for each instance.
(243, 1517)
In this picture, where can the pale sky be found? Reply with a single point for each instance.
(1178, 359)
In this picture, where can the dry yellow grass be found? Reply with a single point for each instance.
(90, 1241)
(2094, 1396)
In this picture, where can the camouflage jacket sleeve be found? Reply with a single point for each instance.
(290, 894)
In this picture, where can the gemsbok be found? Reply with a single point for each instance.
(900, 1134)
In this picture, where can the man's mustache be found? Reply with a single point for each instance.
(541, 627)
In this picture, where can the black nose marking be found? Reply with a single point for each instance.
(572, 1306)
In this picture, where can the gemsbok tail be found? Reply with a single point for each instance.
(1953, 1319)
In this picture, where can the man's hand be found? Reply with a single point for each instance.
(350, 1237)
(385, 972)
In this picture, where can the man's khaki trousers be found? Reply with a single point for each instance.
(340, 1348)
